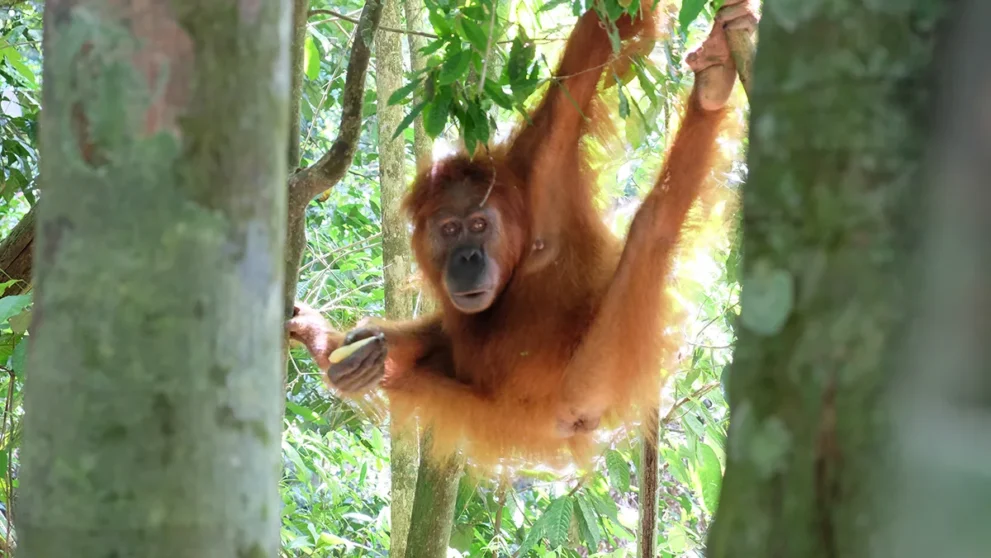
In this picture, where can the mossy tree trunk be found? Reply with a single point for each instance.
(416, 15)
(838, 126)
(396, 258)
(300, 12)
(154, 393)
(433, 507)
(437, 479)
(940, 488)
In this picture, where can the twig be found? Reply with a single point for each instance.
(306, 184)
(501, 502)
(694, 395)
(488, 48)
(348, 18)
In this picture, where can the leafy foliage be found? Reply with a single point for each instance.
(20, 66)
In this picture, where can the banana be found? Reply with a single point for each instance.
(344, 352)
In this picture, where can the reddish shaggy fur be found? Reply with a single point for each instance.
(578, 330)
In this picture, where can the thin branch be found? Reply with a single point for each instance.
(501, 502)
(330, 168)
(694, 395)
(350, 19)
(488, 48)
(344, 17)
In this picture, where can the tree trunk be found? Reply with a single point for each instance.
(415, 16)
(307, 183)
(942, 480)
(154, 391)
(300, 12)
(396, 258)
(16, 255)
(838, 126)
(433, 507)
(437, 480)
(648, 494)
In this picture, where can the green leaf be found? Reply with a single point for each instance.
(12, 305)
(498, 96)
(711, 475)
(403, 92)
(19, 357)
(624, 104)
(766, 300)
(551, 5)
(677, 539)
(645, 84)
(588, 523)
(694, 370)
(613, 32)
(675, 466)
(435, 114)
(690, 9)
(311, 58)
(454, 68)
(440, 23)
(433, 47)
(16, 61)
(409, 119)
(614, 9)
(479, 122)
(304, 412)
(533, 536)
(559, 521)
(606, 507)
(20, 323)
(474, 33)
(692, 425)
(521, 55)
(619, 470)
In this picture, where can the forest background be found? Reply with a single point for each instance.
(350, 486)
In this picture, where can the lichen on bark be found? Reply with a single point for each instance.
(154, 393)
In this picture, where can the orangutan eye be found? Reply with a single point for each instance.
(449, 229)
(478, 225)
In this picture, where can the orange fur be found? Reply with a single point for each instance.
(578, 331)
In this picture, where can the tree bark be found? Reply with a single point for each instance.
(835, 149)
(648, 494)
(16, 255)
(941, 484)
(324, 174)
(433, 507)
(155, 391)
(301, 10)
(437, 480)
(396, 259)
(319, 177)
(415, 16)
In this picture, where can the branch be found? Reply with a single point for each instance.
(694, 395)
(17, 255)
(306, 184)
(741, 47)
(344, 17)
(328, 171)
(488, 48)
